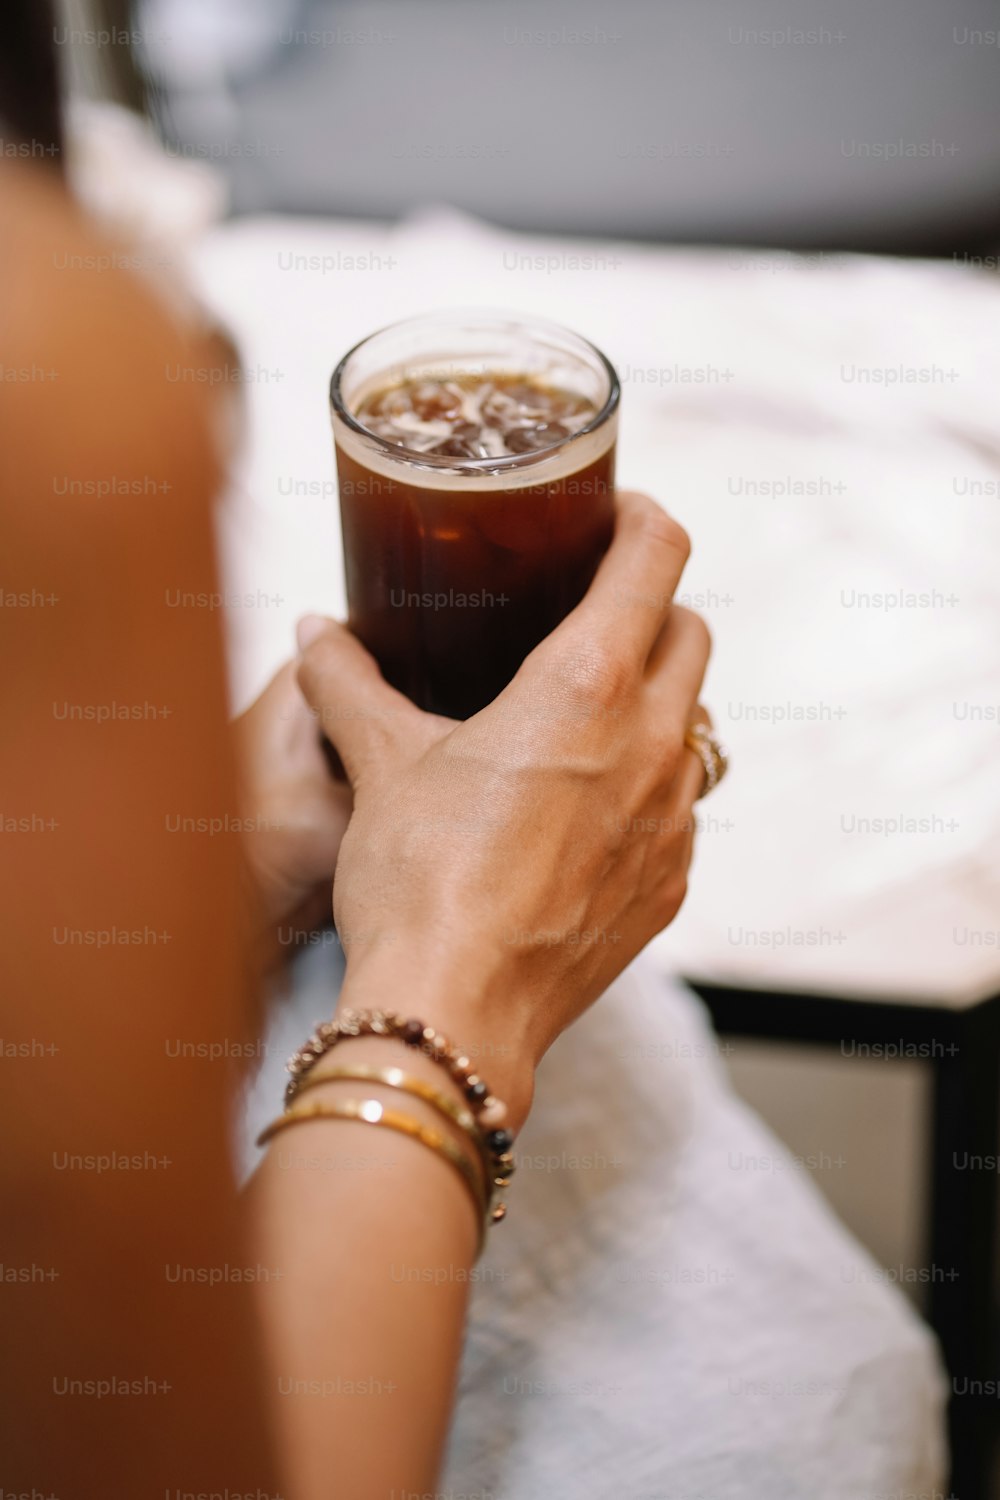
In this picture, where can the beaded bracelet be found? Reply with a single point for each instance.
(489, 1111)
(373, 1112)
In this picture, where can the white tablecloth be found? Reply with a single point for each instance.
(828, 431)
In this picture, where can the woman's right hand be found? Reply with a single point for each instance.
(498, 874)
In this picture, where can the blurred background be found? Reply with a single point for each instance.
(782, 221)
(760, 118)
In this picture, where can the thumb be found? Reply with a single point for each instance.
(364, 718)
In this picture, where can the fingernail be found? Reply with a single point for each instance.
(309, 629)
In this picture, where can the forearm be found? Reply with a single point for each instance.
(375, 1236)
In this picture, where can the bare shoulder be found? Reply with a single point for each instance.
(94, 368)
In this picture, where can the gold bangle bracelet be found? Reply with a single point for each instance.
(373, 1112)
(406, 1083)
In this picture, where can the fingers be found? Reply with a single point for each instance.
(360, 714)
(677, 665)
(689, 783)
(677, 814)
(630, 597)
(674, 680)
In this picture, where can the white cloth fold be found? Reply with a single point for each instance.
(670, 1310)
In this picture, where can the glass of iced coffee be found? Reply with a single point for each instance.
(475, 458)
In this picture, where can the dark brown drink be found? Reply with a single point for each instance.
(476, 506)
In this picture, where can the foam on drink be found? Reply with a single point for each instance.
(474, 416)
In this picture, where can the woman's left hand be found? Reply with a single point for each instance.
(294, 810)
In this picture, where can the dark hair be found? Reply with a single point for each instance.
(30, 109)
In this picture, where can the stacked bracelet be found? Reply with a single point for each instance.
(372, 1112)
(395, 1078)
(484, 1119)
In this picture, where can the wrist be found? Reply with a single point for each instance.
(494, 1039)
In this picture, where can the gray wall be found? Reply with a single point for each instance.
(755, 121)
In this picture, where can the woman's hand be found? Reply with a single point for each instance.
(498, 874)
(294, 811)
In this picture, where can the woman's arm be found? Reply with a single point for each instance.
(488, 884)
(122, 953)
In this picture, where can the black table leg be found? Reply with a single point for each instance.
(961, 1234)
(962, 1239)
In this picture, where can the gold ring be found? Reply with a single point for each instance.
(709, 750)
